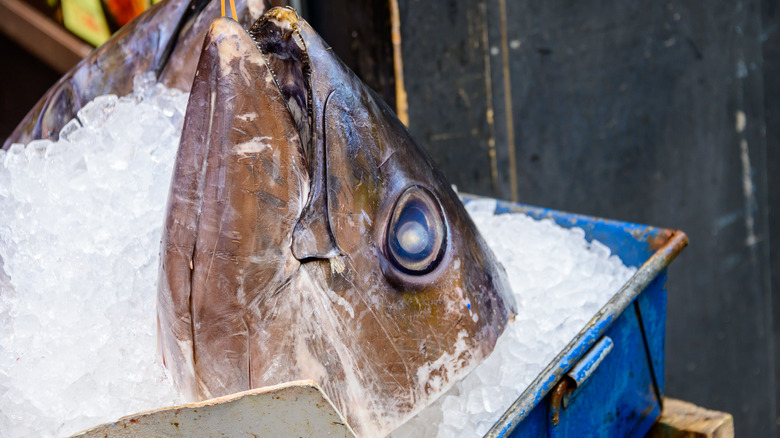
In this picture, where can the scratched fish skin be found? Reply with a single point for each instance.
(308, 237)
(166, 39)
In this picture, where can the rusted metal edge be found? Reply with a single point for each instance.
(535, 392)
(41, 36)
(556, 403)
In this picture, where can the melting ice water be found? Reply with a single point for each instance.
(80, 224)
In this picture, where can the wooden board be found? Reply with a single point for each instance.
(294, 409)
(685, 420)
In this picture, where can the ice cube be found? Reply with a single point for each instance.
(143, 83)
(68, 255)
(15, 157)
(36, 149)
(481, 206)
(72, 126)
(599, 249)
(95, 113)
(452, 413)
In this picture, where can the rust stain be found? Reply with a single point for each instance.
(675, 239)
(556, 400)
(656, 241)
(401, 102)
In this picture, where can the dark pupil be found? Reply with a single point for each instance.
(411, 237)
(416, 235)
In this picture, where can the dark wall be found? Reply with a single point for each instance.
(650, 112)
(359, 31)
(23, 80)
(666, 113)
(770, 37)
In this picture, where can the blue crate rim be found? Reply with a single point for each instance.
(596, 327)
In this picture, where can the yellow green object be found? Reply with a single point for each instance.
(85, 18)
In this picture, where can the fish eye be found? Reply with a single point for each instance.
(416, 236)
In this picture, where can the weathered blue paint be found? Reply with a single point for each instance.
(634, 243)
(619, 398)
(653, 309)
(622, 396)
(590, 362)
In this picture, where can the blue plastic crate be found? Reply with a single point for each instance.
(609, 380)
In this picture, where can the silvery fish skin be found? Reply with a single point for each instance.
(165, 40)
(308, 237)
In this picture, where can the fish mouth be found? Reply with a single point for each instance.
(239, 186)
(282, 38)
(247, 212)
(277, 36)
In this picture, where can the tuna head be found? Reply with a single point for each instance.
(309, 237)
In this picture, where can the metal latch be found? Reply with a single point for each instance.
(577, 375)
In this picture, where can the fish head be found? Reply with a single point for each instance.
(309, 237)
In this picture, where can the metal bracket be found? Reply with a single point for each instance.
(566, 389)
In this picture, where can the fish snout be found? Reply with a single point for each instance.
(240, 182)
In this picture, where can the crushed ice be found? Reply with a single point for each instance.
(80, 223)
(560, 281)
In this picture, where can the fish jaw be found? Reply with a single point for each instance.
(238, 187)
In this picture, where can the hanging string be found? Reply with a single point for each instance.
(232, 8)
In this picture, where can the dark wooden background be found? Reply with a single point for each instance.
(665, 113)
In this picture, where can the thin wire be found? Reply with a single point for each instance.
(233, 10)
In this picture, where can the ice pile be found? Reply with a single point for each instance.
(80, 225)
(560, 281)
